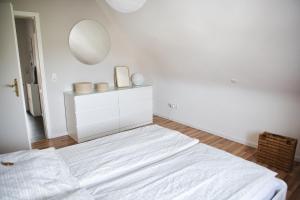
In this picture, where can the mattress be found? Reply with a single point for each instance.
(199, 172)
(107, 158)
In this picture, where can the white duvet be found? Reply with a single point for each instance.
(79, 194)
(200, 172)
(34, 175)
(104, 159)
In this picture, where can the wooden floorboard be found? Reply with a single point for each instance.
(58, 142)
(292, 179)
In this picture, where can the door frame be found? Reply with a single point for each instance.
(40, 67)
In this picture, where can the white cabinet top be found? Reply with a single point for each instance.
(113, 89)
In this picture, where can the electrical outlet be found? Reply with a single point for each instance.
(173, 106)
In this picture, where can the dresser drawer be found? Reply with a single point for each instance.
(136, 107)
(97, 130)
(138, 118)
(135, 95)
(95, 101)
(97, 115)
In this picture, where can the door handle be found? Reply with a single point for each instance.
(14, 85)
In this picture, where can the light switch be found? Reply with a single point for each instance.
(54, 77)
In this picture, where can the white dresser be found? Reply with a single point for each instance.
(94, 115)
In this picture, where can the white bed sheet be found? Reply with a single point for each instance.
(107, 158)
(200, 172)
(282, 191)
(35, 174)
(275, 189)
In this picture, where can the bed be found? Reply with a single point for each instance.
(106, 158)
(200, 172)
(150, 163)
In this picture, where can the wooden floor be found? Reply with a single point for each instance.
(246, 152)
(59, 142)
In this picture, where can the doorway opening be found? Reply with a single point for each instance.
(32, 79)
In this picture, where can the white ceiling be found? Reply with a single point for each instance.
(255, 42)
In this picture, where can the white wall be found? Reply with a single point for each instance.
(192, 49)
(226, 110)
(57, 18)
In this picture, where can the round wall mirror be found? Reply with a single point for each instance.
(89, 42)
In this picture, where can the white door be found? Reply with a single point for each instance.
(13, 130)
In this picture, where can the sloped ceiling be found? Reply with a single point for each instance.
(255, 42)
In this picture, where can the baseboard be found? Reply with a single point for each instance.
(238, 140)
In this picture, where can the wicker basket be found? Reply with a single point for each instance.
(276, 151)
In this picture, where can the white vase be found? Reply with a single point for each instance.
(137, 79)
